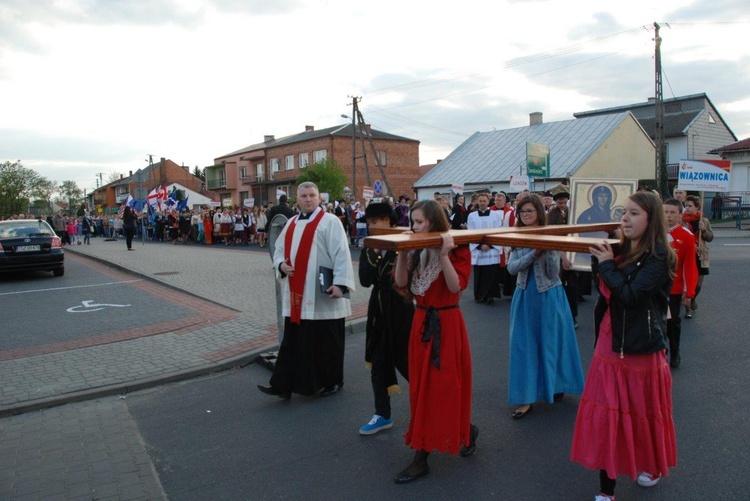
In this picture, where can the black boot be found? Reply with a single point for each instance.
(468, 450)
(418, 468)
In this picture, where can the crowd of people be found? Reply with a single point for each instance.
(415, 326)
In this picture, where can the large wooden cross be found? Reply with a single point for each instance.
(556, 237)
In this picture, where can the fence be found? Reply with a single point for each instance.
(733, 212)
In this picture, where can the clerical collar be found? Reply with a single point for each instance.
(483, 214)
(302, 216)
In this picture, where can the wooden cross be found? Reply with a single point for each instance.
(555, 237)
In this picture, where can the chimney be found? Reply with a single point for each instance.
(309, 128)
(163, 160)
(651, 100)
(120, 176)
(268, 138)
(438, 161)
(131, 173)
(535, 118)
(367, 129)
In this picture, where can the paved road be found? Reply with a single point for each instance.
(164, 442)
(219, 312)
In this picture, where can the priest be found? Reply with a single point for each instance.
(485, 258)
(311, 355)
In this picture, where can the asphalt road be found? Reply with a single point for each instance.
(39, 309)
(219, 438)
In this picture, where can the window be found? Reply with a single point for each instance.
(289, 162)
(303, 160)
(259, 172)
(383, 157)
(243, 172)
(711, 119)
(274, 165)
(319, 156)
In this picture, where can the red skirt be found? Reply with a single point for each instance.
(225, 230)
(624, 423)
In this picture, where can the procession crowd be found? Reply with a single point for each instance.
(415, 326)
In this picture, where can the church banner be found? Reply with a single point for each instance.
(704, 175)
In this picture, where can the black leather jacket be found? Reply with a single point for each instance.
(638, 303)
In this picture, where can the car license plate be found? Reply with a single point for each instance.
(27, 248)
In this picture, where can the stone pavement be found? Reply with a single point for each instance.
(234, 330)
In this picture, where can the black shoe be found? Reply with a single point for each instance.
(270, 390)
(412, 473)
(519, 415)
(468, 450)
(674, 362)
(330, 390)
(558, 397)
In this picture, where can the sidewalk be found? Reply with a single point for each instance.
(238, 281)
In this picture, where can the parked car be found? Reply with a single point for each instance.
(30, 244)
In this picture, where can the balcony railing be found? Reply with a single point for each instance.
(214, 184)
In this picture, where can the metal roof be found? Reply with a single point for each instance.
(491, 157)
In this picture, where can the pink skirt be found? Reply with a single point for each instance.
(624, 423)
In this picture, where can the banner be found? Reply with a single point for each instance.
(704, 175)
(457, 189)
(518, 184)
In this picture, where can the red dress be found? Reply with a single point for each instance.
(624, 423)
(440, 400)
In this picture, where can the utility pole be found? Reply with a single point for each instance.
(358, 121)
(355, 100)
(660, 154)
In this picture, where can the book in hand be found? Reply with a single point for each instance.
(325, 276)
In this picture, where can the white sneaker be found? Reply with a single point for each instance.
(648, 480)
(604, 497)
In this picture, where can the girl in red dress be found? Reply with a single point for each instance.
(624, 424)
(439, 355)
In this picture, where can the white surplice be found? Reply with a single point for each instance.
(330, 249)
(477, 222)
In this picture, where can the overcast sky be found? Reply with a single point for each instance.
(89, 86)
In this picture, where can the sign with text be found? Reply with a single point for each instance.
(367, 192)
(704, 175)
(537, 160)
(518, 184)
(249, 202)
(457, 189)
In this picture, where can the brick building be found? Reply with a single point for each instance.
(162, 173)
(258, 171)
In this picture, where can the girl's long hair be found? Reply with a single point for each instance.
(655, 235)
(433, 212)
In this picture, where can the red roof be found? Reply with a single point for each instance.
(738, 146)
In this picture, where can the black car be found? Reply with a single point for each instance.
(30, 244)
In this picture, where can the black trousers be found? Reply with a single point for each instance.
(378, 377)
(570, 285)
(674, 324)
(129, 232)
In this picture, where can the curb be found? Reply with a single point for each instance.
(354, 326)
(125, 388)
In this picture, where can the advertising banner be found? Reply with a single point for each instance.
(703, 175)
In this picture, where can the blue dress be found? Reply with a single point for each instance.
(544, 357)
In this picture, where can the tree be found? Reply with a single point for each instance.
(198, 172)
(328, 175)
(71, 193)
(113, 176)
(42, 194)
(16, 186)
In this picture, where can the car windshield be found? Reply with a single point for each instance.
(16, 229)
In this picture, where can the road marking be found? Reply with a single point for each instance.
(70, 287)
(92, 306)
(736, 245)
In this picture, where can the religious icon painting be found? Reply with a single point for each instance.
(597, 201)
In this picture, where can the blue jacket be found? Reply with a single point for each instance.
(546, 268)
